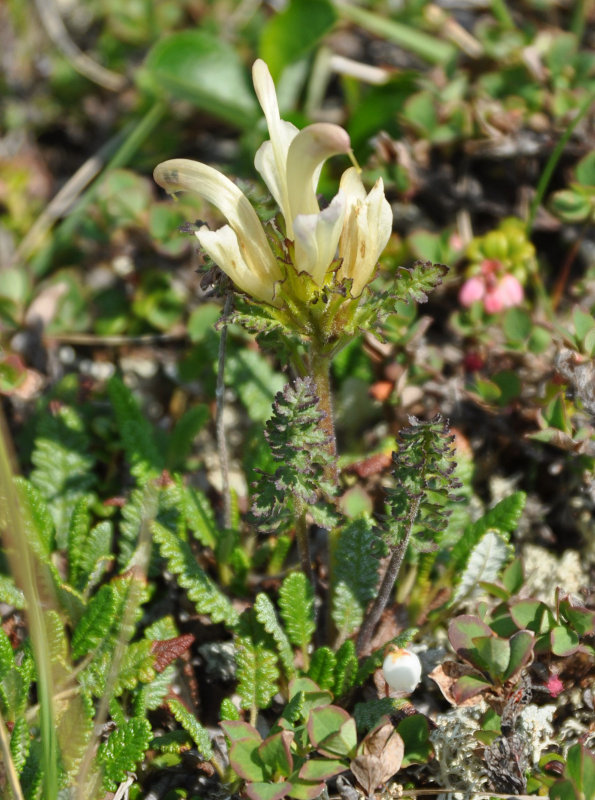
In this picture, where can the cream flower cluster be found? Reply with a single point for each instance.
(355, 226)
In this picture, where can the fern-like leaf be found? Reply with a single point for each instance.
(346, 668)
(39, 524)
(356, 575)
(10, 594)
(228, 711)
(256, 382)
(299, 445)
(192, 726)
(123, 749)
(423, 472)
(265, 614)
(20, 744)
(136, 433)
(64, 467)
(416, 282)
(183, 435)
(96, 622)
(199, 516)
(203, 592)
(502, 518)
(256, 661)
(322, 667)
(485, 562)
(296, 604)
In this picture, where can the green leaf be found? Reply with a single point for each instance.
(296, 604)
(123, 749)
(228, 711)
(322, 667)
(533, 615)
(183, 435)
(137, 667)
(10, 594)
(332, 731)
(37, 518)
(564, 641)
(20, 744)
(521, 652)
(250, 373)
(64, 466)
(260, 790)
(580, 766)
(203, 592)
(199, 516)
(491, 654)
(356, 575)
(196, 66)
(579, 618)
(265, 614)
(145, 459)
(293, 32)
(96, 622)
(256, 663)
(415, 733)
(275, 753)
(346, 669)
(517, 324)
(316, 769)
(192, 726)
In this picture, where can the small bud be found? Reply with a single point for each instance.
(401, 670)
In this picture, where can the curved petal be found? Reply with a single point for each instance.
(266, 164)
(180, 174)
(307, 153)
(317, 237)
(281, 134)
(367, 229)
(226, 250)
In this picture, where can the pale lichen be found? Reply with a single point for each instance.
(457, 766)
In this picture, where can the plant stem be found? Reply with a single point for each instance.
(552, 161)
(220, 397)
(320, 370)
(301, 533)
(388, 582)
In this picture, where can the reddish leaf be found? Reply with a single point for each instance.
(167, 650)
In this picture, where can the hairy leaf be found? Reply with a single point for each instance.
(502, 518)
(96, 622)
(485, 562)
(123, 749)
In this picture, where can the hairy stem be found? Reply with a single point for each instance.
(388, 582)
(320, 369)
(301, 532)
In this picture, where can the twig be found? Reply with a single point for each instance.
(220, 426)
(388, 581)
(56, 30)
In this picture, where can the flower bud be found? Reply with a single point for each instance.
(401, 670)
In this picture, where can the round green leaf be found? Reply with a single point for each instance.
(196, 66)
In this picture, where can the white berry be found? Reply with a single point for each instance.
(402, 670)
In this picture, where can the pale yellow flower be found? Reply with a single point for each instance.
(354, 227)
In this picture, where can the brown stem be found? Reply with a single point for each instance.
(388, 582)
